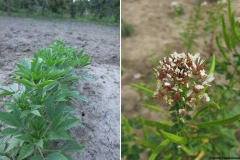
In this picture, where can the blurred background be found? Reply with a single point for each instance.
(153, 29)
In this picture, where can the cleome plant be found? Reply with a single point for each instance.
(39, 113)
(200, 117)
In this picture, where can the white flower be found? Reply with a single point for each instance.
(222, 2)
(169, 76)
(204, 4)
(189, 93)
(167, 84)
(174, 4)
(193, 59)
(175, 88)
(199, 87)
(202, 72)
(209, 78)
(180, 111)
(204, 97)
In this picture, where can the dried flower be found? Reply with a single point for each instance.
(182, 77)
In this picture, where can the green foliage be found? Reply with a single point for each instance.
(39, 113)
(212, 128)
(127, 29)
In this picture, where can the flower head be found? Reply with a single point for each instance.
(182, 77)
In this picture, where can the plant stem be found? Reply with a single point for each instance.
(40, 152)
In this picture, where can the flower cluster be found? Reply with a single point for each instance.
(181, 77)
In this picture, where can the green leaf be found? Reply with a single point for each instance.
(143, 89)
(221, 49)
(12, 143)
(67, 124)
(152, 123)
(6, 88)
(56, 122)
(174, 138)
(36, 158)
(25, 137)
(72, 146)
(8, 118)
(145, 143)
(36, 112)
(229, 76)
(155, 109)
(56, 156)
(9, 131)
(6, 93)
(212, 65)
(59, 136)
(205, 107)
(225, 34)
(23, 81)
(86, 76)
(45, 83)
(219, 122)
(39, 143)
(4, 158)
(159, 149)
(26, 151)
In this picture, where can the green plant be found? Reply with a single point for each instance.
(127, 29)
(197, 127)
(39, 114)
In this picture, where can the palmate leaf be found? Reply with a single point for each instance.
(71, 146)
(174, 138)
(9, 131)
(25, 137)
(58, 136)
(26, 151)
(8, 118)
(56, 122)
(67, 124)
(56, 156)
(159, 149)
(219, 122)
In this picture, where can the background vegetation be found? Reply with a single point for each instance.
(88, 10)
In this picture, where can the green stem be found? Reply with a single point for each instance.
(40, 152)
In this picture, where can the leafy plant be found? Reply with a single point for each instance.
(39, 114)
(201, 121)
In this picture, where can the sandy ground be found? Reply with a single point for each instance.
(19, 38)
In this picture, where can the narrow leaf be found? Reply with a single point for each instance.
(45, 83)
(205, 107)
(225, 34)
(145, 143)
(23, 81)
(143, 89)
(174, 138)
(219, 122)
(152, 123)
(159, 149)
(67, 124)
(221, 49)
(155, 109)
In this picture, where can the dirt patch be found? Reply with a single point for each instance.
(20, 37)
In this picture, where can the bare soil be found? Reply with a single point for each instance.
(20, 37)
